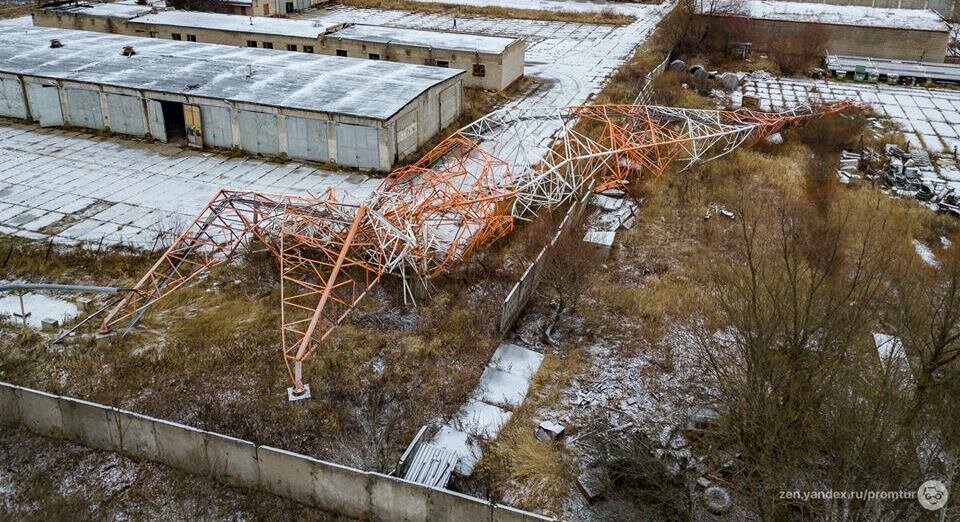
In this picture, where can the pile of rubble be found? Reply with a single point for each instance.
(613, 211)
(904, 173)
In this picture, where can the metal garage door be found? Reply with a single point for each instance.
(217, 127)
(11, 98)
(126, 114)
(83, 108)
(259, 132)
(44, 103)
(307, 139)
(358, 146)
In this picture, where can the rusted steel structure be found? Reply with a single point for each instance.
(424, 218)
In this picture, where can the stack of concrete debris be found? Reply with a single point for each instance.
(849, 168)
(613, 211)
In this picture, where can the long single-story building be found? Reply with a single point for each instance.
(358, 113)
(877, 32)
(491, 62)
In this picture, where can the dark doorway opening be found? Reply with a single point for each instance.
(289, 7)
(173, 122)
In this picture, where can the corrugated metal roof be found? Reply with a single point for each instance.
(372, 89)
(431, 466)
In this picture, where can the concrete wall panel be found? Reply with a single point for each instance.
(83, 108)
(307, 139)
(125, 114)
(9, 409)
(287, 474)
(181, 447)
(342, 490)
(259, 132)
(12, 102)
(233, 461)
(395, 499)
(449, 105)
(40, 412)
(89, 424)
(135, 435)
(44, 101)
(217, 126)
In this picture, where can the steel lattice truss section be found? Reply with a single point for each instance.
(424, 218)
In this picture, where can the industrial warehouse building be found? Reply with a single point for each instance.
(858, 30)
(359, 113)
(491, 63)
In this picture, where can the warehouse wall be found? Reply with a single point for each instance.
(874, 42)
(338, 489)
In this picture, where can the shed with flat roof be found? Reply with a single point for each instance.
(861, 30)
(358, 113)
(491, 62)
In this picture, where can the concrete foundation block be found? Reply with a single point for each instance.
(232, 461)
(40, 412)
(395, 499)
(135, 435)
(181, 446)
(89, 424)
(9, 410)
(287, 474)
(342, 490)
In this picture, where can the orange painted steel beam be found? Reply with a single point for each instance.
(464, 194)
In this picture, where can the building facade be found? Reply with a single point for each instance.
(491, 63)
(354, 113)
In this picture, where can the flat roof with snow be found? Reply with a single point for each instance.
(861, 16)
(111, 10)
(434, 39)
(227, 22)
(314, 29)
(364, 88)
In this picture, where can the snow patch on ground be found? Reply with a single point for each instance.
(38, 307)
(925, 253)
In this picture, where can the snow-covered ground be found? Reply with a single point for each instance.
(38, 308)
(929, 117)
(80, 188)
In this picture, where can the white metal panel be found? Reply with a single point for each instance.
(126, 114)
(358, 146)
(307, 138)
(44, 103)
(11, 98)
(217, 127)
(259, 132)
(158, 128)
(83, 108)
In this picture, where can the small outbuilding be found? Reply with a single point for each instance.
(357, 113)
(857, 30)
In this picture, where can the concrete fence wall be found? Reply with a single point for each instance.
(348, 491)
(523, 289)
